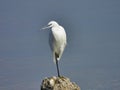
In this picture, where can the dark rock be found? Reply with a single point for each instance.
(58, 83)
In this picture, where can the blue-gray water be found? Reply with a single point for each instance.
(91, 58)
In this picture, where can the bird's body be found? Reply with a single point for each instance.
(57, 41)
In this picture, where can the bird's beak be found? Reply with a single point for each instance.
(46, 27)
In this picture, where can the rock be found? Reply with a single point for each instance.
(58, 83)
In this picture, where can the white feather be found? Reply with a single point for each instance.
(57, 39)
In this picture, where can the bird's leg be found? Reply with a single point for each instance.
(57, 65)
(57, 68)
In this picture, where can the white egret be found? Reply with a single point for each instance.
(57, 41)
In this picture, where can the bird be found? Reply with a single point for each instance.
(57, 41)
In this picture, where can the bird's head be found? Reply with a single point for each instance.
(51, 24)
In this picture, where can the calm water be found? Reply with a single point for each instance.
(28, 74)
(92, 55)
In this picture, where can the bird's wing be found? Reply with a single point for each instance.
(51, 41)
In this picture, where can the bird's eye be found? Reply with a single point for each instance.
(50, 24)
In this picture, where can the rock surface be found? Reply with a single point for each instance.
(58, 83)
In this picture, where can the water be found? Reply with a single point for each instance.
(91, 58)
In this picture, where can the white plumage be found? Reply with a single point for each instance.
(57, 41)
